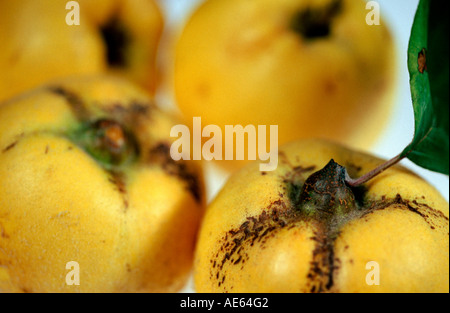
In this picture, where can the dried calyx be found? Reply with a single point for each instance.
(107, 142)
(325, 194)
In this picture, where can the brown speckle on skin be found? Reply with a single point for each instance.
(3, 233)
(75, 102)
(422, 61)
(421, 209)
(330, 86)
(254, 230)
(118, 179)
(128, 113)
(160, 154)
(10, 146)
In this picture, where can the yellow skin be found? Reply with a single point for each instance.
(131, 228)
(38, 45)
(403, 226)
(240, 62)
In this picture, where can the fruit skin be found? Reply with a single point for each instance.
(240, 62)
(131, 228)
(38, 45)
(253, 240)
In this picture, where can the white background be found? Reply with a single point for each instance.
(399, 15)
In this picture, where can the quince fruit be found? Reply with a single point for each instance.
(301, 228)
(113, 36)
(90, 199)
(314, 68)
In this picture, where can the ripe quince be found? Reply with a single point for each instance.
(113, 36)
(314, 68)
(90, 199)
(301, 228)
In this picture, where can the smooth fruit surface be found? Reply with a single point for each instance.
(260, 235)
(314, 68)
(117, 36)
(86, 176)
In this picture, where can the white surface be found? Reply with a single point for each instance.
(399, 15)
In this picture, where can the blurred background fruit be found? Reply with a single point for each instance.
(314, 68)
(114, 36)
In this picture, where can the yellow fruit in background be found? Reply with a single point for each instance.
(314, 68)
(294, 231)
(86, 176)
(117, 36)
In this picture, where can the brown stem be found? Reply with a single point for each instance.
(366, 177)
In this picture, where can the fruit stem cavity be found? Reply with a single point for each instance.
(313, 23)
(107, 142)
(116, 40)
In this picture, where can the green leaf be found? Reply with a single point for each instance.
(429, 80)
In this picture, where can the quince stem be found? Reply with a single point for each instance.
(368, 176)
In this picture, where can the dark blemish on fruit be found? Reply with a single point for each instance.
(324, 265)
(3, 233)
(47, 148)
(254, 230)
(332, 266)
(133, 110)
(330, 86)
(283, 158)
(9, 147)
(118, 179)
(160, 154)
(434, 218)
(75, 102)
(263, 173)
(14, 143)
(422, 61)
(140, 108)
